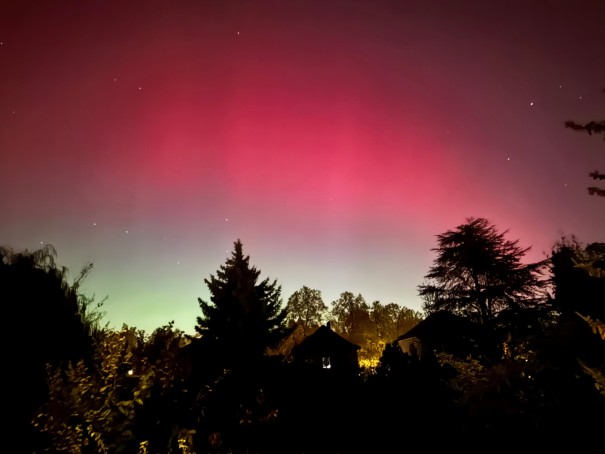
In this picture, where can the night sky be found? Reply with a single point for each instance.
(334, 138)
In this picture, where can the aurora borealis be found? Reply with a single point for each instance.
(334, 138)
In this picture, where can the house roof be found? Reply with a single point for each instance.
(444, 328)
(324, 342)
(439, 321)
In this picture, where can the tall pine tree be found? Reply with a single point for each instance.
(244, 316)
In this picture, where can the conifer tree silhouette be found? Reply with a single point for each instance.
(244, 317)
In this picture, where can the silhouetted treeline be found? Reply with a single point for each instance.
(46, 326)
(506, 353)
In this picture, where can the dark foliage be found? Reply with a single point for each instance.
(575, 289)
(244, 316)
(591, 127)
(241, 400)
(478, 274)
(48, 323)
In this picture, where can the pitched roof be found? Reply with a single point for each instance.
(443, 329)
(436, 323)
(324, 341)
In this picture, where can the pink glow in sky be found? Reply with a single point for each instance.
(334, 138)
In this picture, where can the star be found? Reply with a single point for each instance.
(508, 159)
(126, 231)
(94, 224)
(531, 103)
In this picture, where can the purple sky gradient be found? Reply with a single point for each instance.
(334, 138)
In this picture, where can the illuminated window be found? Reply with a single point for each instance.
(325, 362)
